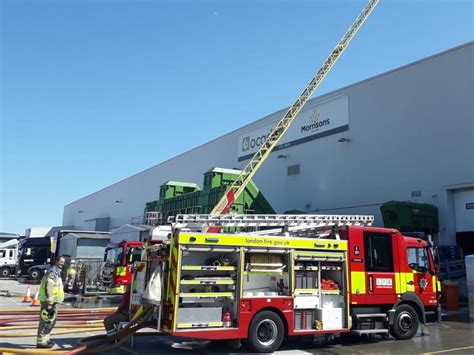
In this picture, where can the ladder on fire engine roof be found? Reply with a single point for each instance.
(287, 225)
(238, 186)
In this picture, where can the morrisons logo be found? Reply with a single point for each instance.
(315, 123)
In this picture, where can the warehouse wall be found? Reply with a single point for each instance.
(410, 131)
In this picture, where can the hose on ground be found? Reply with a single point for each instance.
(71, 322)
(16, 311)
(80, 320)
(62, 325)
(9, 321)
(103, 343)
(58, 332)
(13, 351)
(100, 342)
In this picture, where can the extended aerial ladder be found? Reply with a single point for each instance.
(238, 186)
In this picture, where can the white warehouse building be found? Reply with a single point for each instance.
(407, 135)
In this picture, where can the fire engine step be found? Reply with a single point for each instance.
(370, 331)
(369, 315)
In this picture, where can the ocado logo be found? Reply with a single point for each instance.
(246, 144)
(250, 143)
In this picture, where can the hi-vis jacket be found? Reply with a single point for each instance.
(51, 289)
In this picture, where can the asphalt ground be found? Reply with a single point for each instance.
(455, 335)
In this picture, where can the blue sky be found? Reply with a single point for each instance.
(95, 91)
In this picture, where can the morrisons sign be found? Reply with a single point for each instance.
(313, 122)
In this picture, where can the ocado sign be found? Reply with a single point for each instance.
(251, 143)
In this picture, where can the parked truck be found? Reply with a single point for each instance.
(288, 275)
(8, 257)
(37, 254)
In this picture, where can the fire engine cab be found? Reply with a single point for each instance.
(289, 275)
(119, 259)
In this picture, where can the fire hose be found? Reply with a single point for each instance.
(94, 344)
(101, 343)
(78, 320)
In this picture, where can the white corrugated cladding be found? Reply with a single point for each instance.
(407, 134)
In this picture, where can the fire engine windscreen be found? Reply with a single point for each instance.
(112, 256)
(115, 256)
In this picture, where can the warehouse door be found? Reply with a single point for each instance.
(464, 209)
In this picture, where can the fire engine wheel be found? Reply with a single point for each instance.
(266, 332)
(406, 322)
(34, 274)
(5, 272)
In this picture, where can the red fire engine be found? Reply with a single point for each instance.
(300, 275)
(119, 259)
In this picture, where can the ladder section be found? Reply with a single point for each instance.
(279, 130)
(297, 223)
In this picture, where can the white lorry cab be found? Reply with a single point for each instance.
(8, 257)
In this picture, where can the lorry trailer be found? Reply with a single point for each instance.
(37, 254)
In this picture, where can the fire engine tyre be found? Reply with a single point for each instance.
(34, 274)
(5, 272)
(405, 324)
(266, 332)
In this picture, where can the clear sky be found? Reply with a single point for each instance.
(95, 91)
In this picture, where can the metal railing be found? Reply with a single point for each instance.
(452, 269)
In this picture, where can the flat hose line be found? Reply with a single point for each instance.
(4, 325)
(56, 326)
(12, 321)
(102, 342)
(65, 310)
(59, 332)
(59, 317)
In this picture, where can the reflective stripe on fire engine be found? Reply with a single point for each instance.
(206, 294)
(175, 296)
(121, 271)
(358, 282)
(401, 282)
(260, 241)
(116, 290)
(434, 282)
(242, 261)
(200, 325)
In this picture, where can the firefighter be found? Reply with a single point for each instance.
(120, 315)
(70, 275)
(51, 294)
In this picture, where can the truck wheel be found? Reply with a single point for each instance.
(266, 332)
(5, 272)
(34, 274)
(405, 324)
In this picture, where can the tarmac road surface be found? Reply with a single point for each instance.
(455, 335)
